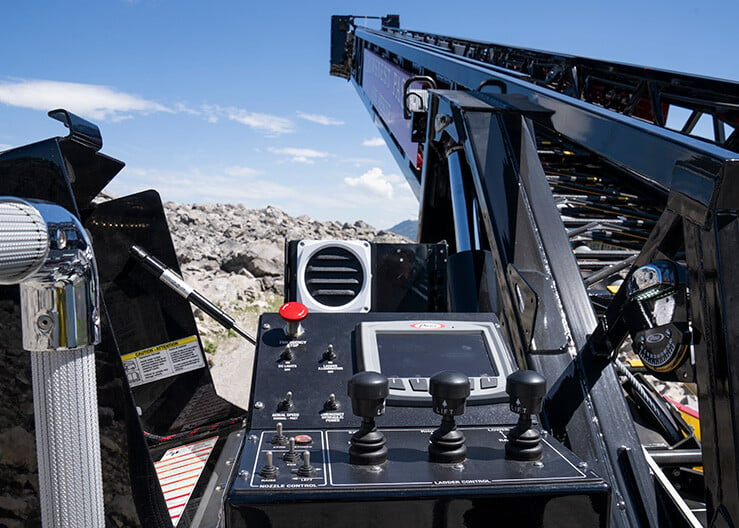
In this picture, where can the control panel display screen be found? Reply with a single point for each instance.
(422, 354)
(410, 352)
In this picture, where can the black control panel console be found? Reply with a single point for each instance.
(400, 419)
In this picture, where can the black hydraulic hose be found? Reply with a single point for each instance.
(190, 433)
(648, 400)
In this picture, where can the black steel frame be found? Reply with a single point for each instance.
(484, 145)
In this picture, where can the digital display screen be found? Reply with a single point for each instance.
(423, 354)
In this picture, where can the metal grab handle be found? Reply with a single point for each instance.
(24, 240)
(406, 93)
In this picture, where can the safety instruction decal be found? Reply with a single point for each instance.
(163, 361)
(178, 472)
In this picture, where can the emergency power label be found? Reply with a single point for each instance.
(163, 361)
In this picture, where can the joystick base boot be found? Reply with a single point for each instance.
(447, 443)
(368, 446)
(524, 442)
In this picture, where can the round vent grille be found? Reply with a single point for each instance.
(334, 276)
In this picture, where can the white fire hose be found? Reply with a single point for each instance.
(45, 249)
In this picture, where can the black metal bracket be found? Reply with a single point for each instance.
(80, 130)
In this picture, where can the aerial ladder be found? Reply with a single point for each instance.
(568, 181)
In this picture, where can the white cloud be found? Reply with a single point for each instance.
(374, 142)
(375, 181)
(93, 101)
(271, 124)
(320, 119)
(300, 155)
(3, 146)
(263, 122)
(241, 172)
(104, 103)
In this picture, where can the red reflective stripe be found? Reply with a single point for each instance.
(191, 486)
(182, 463)
(176, 481)
(178, 497)
(180, 473)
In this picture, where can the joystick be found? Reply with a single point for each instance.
(449, 390)
(368, 391)
(526, 389)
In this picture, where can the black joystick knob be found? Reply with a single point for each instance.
(526, 390)
(368, 391)
(449, 392)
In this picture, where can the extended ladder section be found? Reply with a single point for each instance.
(594, 203)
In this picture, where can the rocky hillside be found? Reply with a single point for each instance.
(234, 256)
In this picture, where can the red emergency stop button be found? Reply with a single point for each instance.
(292, 313)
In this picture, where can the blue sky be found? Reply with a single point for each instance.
(231, 101)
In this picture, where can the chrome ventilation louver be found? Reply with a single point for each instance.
(334, 275)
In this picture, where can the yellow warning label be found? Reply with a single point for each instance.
(163, 361)
(158, 348)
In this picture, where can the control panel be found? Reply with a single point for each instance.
(323, 461)
(304, 362)
(391, 414)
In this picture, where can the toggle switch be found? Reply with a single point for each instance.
(286, 404)
(279, 439)
(306, 469)
(329, 354)
(291, 455)
(269, 470)
(331, 404)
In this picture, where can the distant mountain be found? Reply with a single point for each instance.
(406, 228)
